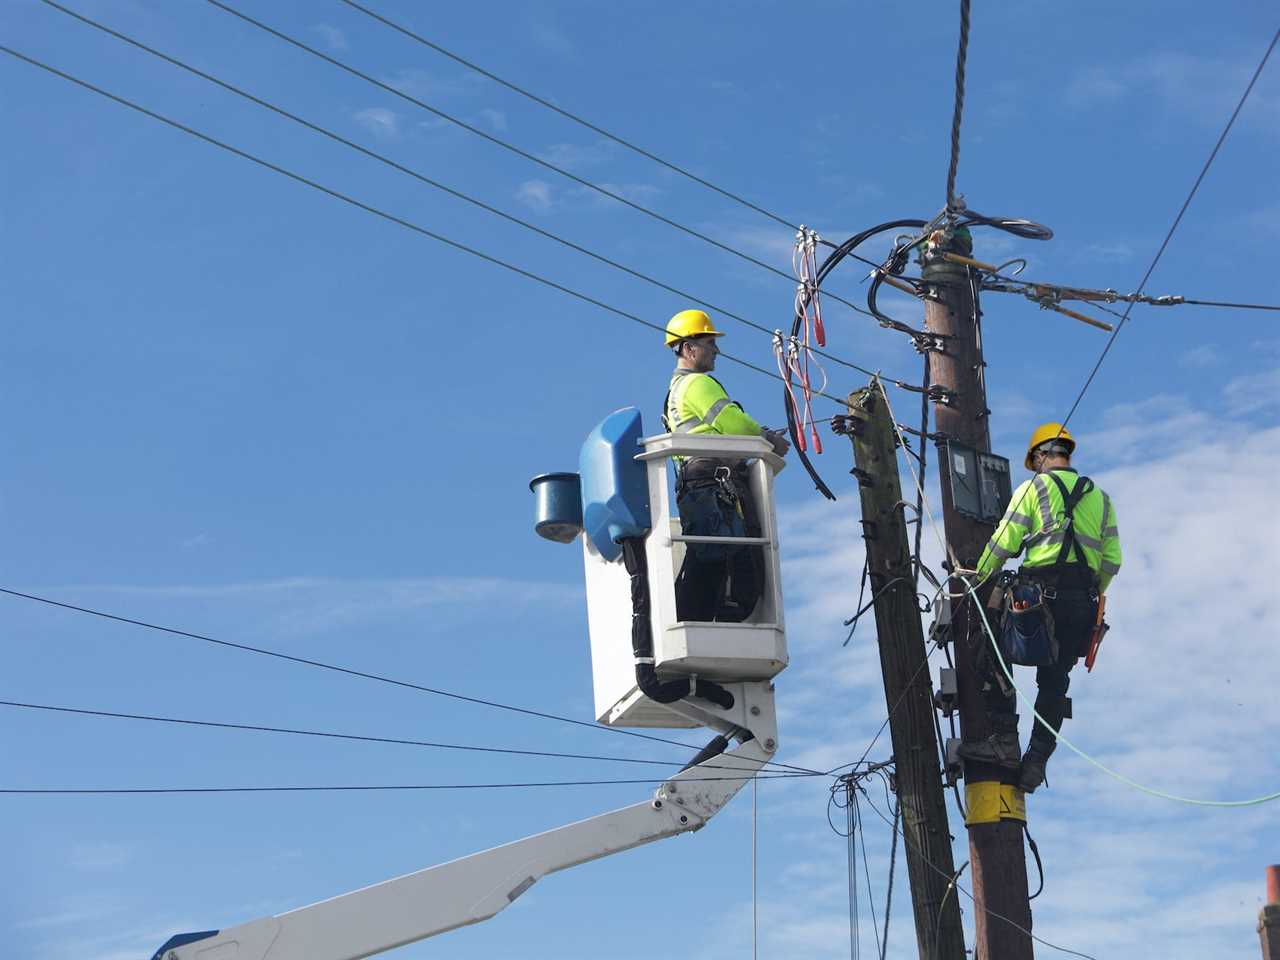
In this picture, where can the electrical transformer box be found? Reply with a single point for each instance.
(980, 482)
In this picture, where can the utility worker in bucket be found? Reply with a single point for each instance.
(716, 582)
(1067, 526)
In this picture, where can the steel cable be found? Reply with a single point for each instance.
(429, 181)
(542, 101)
(368, 208)
(321, 665)
(961, 55)
(470, 128)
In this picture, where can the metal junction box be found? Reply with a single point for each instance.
(980, 484)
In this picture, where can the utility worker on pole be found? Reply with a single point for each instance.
(716, 582)
(1067, 526)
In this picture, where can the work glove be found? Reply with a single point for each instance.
(779, 441)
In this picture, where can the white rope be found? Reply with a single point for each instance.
(755, 895)
(970, 589)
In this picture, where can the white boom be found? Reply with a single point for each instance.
(419, 905)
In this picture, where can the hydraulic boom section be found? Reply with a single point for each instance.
(461, 892)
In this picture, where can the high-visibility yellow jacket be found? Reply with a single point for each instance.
(1036, 522)
(697, 403)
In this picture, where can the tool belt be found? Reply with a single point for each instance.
(1070, 576)
(1027, 634)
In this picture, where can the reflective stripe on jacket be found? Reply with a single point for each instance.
(1035, 521)
(697, 403)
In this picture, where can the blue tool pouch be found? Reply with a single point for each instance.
(1027, 635)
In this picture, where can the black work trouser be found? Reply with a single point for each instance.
(717, 582)
(1075, 610)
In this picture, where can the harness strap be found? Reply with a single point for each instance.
(1070, 499)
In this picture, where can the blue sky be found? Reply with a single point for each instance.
(245, 409)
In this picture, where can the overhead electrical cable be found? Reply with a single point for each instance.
(1174, 226)
(1234, 306)
(952, 880)
(519, 151)
(379, 678)
(429, 181)
(957, 113)
(385, 215)
(260, 728)
(363, 788)
(594, 128)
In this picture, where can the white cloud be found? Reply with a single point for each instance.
(536, 194)
(1254, 393)
(1201, 357)
(576, 156)
(1181, 700)
(334, 38)
(1201, 88)
(494, 118)
(1115, 251)
(381, 122)
(550, 39)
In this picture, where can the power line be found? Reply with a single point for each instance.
(429, 181)
(1236, 306)
(393, 218)
(361, 788)
(1174, 226)
(259, 728)
(519, 151)
(516, 88)
(951, 880)
(962, 53)
(304, 661)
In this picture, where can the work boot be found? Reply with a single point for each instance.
(1001, 748)
(1031, 774)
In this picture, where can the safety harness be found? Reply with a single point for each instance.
(1070, 546)
(1027, 635)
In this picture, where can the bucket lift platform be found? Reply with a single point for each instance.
(753, 650)
(624, 495)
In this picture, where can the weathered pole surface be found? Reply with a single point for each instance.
(1269, 918)
(998, 862)
(908, 687)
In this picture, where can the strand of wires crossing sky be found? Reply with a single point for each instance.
(498, 141)
(361, 738)
(1173, 226)
(432, 182)
(594, 128)
(348, 671)
(378, 212)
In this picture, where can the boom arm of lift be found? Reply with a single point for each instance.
(465, 891)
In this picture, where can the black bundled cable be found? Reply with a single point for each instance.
(1035, 850)
(669, 691)
(1027, 229)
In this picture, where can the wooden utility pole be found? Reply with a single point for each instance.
(1269, 918)
(908, 690)
(999, 868)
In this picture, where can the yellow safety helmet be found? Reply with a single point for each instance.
(690, 323)
(1046, 432)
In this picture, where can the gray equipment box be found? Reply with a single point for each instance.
(980, 484)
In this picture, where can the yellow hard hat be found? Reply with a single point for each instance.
(1046, 432)
(690, 323)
